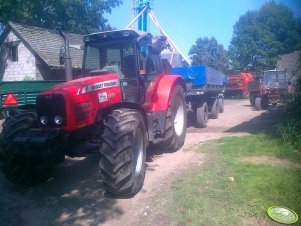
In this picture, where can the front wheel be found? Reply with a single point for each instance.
(176, 121)
(16, 163)
(123, 152)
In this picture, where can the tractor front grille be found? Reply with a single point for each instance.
(51, 106)
(82, 111)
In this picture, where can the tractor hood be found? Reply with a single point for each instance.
(78, 102)
(85, 85)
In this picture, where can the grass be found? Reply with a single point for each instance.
(229, 191)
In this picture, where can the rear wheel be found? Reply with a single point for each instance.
(16, 163)
(202, 115)
(123, 152)
(176, 121)
(215, 109)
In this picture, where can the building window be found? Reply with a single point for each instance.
(12, 50)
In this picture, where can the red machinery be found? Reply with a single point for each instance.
(237, 85)
(273, 88)
(123, 102)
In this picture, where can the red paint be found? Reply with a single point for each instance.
(163, 92)
(73, 95)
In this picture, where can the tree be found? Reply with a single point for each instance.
(77, 16)
(259, 37)
(208, 52)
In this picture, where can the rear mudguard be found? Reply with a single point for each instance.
(156, 114)
(164, 90)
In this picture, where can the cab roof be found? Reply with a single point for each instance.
(115, 34)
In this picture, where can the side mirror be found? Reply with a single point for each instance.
(158, 44)
(62, 56)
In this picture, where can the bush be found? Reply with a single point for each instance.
(291, 131)
(291, 134)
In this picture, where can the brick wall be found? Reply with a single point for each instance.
(22, 69)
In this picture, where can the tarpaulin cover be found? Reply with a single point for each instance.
(201, 75)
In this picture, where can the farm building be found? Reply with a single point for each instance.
(291, 63)
(32, 53)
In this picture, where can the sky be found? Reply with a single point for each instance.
(187, 20)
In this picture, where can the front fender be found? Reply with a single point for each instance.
(164, 90)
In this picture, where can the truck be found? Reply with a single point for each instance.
(19, 95)
(237, 84)
(205, 93)
(270, 90)
(123, 103)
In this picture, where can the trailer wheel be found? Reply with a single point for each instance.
(221, 105)
(202, 116)
(16, 165)
(176, 121)
(215, 109)
(123, 152)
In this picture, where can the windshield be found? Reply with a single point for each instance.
(274, 76)
(117, 56)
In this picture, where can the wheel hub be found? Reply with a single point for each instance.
(138, 152)
(179, 119)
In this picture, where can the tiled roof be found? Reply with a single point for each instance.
(47, 43)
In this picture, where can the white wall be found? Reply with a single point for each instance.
(22, 69)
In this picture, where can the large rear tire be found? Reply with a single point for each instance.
(215, 109)
(176, 121)
(123, 152)
(16, 163)
(202, 116)
(258, 105)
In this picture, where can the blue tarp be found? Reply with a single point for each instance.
(201, 75)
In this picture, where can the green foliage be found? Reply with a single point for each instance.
(291, 131)
(259, 37)
(28, 78)
(77, 16)
(208, 52)
(291, 134)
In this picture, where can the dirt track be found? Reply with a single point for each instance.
(74, 196)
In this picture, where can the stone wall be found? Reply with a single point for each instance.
(22, 69)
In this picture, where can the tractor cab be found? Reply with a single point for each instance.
(275, 82)
(132, 55)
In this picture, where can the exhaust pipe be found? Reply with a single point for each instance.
(67, 57)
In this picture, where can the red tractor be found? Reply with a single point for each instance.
(271, 90)
(124, 102)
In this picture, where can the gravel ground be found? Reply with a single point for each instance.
(74, 195)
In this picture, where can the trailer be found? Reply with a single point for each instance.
(205, 93)
(20, 95)
(237, 85)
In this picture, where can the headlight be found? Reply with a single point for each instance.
(58, 120)
(43, 120)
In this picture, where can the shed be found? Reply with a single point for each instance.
(32, 53)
